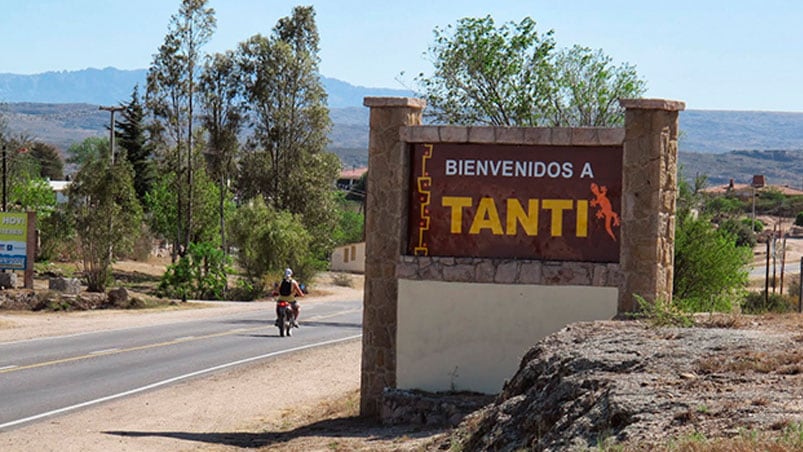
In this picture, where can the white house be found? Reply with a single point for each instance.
(348, 258)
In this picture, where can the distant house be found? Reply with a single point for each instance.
(348, 178)
(745, 191)
(348, 258)
(60, 188)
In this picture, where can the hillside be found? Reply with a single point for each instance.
(779, 167)
(61, 108)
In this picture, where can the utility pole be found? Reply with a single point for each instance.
(111, 126)
(112, 110)
(4, 178)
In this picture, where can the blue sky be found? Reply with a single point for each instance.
(716, 55)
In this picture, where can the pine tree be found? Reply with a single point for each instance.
(131, 137)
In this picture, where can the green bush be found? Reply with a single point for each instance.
(724, 205)
(245, 290)
(270, 240)
(757, 225)
(709, 266)
(799, 219)
(745, 236)
(755, 303)
(58, 240)
(662, 313)
(202, 274)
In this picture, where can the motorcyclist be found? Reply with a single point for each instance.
(291, 290)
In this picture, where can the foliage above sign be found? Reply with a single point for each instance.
(513, 201)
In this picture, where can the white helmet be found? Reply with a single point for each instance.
(288, 272)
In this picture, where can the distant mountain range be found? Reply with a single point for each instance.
(112, 86)
(62, 108)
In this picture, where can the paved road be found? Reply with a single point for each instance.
(40, 378)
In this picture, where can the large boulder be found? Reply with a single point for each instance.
(620, 382)
(8, 280)
(118, 297)
(65, 285)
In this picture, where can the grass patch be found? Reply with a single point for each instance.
(342, 280)
(789, 362)
(662, 313)
(785, 437)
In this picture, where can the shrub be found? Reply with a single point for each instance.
(244, 290)
(757, 225)
(755, 303)
(343, 280)
(270, 240)
(799, 219)
(202, 273)
(58, 240)
(709, 266)
(745, 235)
(662, 313)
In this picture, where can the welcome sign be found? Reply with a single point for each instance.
(515, 201)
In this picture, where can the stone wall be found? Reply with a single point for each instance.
(508, 271)
(430, 409)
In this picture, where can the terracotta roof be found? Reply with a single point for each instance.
(354, 173)
(721, 189)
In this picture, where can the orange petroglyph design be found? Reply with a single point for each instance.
(604, 208)
(424, 186)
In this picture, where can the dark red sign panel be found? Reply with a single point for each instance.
(510, 201)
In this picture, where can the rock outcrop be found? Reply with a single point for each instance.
(602, 383)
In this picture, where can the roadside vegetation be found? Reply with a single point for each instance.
(219, 161)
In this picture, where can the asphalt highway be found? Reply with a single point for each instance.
(41, 378)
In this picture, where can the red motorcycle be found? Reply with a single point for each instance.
(285, 318)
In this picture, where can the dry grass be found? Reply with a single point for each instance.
(789, 362)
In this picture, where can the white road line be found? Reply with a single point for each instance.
(9, 367)
(185, 338)
(103, 352)
(169, 381)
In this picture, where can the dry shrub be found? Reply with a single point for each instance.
(342, 280)
(786, 363)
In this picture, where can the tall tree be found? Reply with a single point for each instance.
(288, 165)
(106, 214)
(489, 75)
(172, 81)
(513, 76)
(92, 148)
(223, 119)
(588, 87)
(131, 136)
(51, 166)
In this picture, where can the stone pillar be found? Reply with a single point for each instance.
(385, 227)
(649, 191)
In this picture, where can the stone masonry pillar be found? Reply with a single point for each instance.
(649, 192)
(385, 226)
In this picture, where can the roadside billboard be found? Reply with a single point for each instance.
(13, 241)
(515, 201)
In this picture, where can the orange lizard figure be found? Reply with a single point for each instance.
(605, 210)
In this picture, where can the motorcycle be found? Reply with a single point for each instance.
(285, 318)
